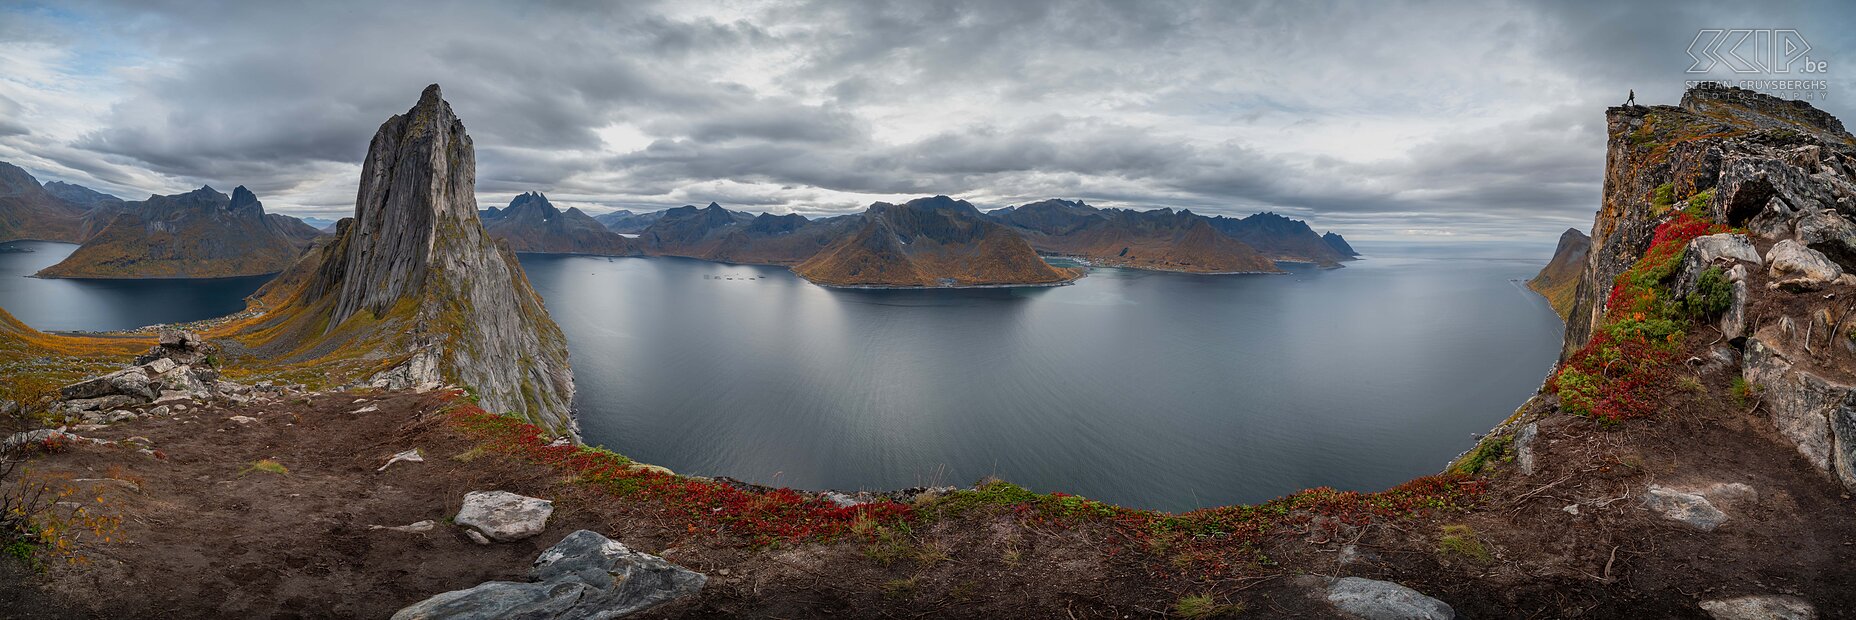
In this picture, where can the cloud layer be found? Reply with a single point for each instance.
(1409, 120)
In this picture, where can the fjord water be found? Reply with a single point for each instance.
(1147, 389)
(98, 305)
(1152, 390)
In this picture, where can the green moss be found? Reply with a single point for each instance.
(1461, 541)
(1662, 198)
(1490, 450)
(1204, 606)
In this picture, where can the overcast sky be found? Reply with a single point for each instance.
(1388, 121)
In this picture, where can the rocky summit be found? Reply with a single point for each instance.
(533, 224)
(413, 291)
(28, 211)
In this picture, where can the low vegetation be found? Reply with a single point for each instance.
(1613, 376)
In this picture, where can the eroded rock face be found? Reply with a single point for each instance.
(586, 575)
(1816, 415)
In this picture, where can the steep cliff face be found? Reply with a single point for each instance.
(413, 290)
(930, 242)
(1559, 280)
(1727, 153)
(532, 224)
(1734, 160)
(27, 211)
(1158, 239)
(199, 234)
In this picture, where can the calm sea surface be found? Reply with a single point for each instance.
(1152, 390)
(1147, 389)
(108, 304)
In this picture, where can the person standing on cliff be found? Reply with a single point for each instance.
(1632, 100)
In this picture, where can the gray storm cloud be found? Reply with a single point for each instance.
(1483, 122)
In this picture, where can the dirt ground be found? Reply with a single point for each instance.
(204, 536)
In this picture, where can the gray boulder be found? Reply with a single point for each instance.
(19, 440)
(1763, 607)
(1689, 509)
(1795, 266)
(503, 516)
(131, 382)
(1383, 600)
(586, 575)
(1524, 447)
(100, 403)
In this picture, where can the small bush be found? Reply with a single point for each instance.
(1698, 204)
(1713, 294)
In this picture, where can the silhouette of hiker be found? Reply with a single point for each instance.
(1633, 98)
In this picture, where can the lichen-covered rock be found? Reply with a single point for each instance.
(1792, 263)
(1690, 509)
(1761, 607)
(1383, 600)
(503, 516)
(1524, 440)
(586, 575)
(132, 382)
(1723, 250)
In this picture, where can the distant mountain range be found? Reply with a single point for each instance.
(533, 224)
(199, 234)
(930, 242)
(625, 222)
(1160, 239)
(1284, 239)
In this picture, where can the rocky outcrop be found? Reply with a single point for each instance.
(532, 224)
(930, 242)
(412, 291)
(586, 575)
(1159, 239)
(199, 234)
(1778, 168)
(1559, 280)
